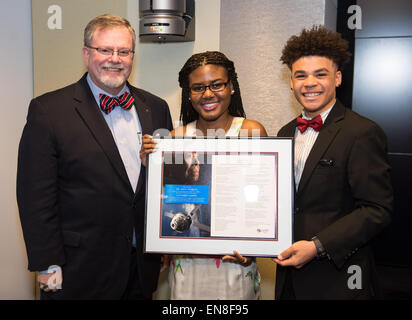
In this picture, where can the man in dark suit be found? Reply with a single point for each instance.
(343, 193)
(80, 183)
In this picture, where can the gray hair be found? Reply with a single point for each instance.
(107, 21)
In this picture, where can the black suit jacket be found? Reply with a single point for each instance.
(77, 207)
(345, 202)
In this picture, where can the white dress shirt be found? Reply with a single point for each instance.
(125, 126)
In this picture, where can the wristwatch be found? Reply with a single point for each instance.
(320, 250)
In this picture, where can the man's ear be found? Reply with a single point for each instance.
(85, 54)
(338, 78)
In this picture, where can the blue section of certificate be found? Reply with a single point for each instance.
(181, 193)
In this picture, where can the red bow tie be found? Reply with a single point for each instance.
(109, 103)
(315, 123)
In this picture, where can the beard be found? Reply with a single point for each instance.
(113, 81)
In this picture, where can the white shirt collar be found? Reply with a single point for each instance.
(323, 115)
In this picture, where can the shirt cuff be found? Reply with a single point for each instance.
(50, 270)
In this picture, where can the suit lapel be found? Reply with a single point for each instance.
(326, 136)
(289, 130)
(143, 111)
(88, 110)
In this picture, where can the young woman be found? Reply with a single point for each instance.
(211, 106)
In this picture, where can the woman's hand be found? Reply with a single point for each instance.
(238, 258)
(148, 146)
(165, 262)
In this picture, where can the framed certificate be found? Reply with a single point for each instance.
(215, 195)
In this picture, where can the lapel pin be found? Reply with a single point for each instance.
(327, 162)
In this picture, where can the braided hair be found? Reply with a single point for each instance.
(187, 112)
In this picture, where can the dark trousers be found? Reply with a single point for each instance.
(134, 290)
(288, 293)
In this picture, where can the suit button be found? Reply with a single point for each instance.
(297, 210)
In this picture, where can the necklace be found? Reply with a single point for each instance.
(215, 132)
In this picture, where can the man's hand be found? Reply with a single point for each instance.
(43, 281)
(297, 255)
(52, 280)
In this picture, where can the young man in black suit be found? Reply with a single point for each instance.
(343, 195)
(80, 183)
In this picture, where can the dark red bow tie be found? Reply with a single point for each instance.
(315, 123)
(109, 103)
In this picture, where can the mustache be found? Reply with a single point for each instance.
(112, 66)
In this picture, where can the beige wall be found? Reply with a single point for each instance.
(16, 90)
(253, 33)
(57, 56)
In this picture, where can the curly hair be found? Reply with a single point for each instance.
(318, 41)
(187, 112)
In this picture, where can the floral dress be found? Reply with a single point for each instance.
(194, 277)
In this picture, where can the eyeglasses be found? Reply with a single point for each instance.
(109, 52)
(214, 87)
